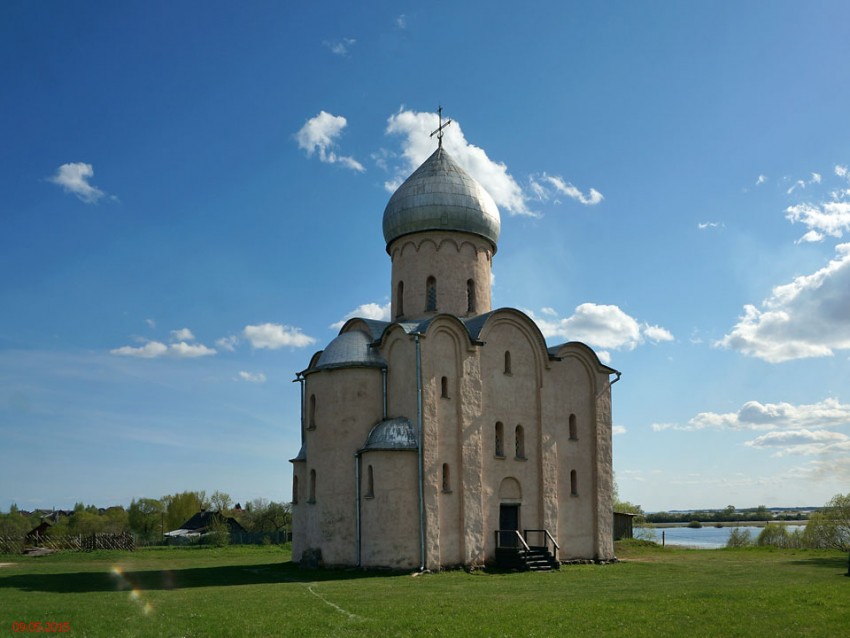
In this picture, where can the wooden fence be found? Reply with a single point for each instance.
(78, 543)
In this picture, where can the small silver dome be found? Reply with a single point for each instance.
(440, 195)
(350, 350)
(392, 434)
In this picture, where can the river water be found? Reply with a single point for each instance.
(706, 537)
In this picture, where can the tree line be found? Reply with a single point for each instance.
(828, 528)
(148, 518)
(730, 514)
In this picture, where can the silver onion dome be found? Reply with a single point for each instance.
(440, 195)
(392, 434)
(350, 350)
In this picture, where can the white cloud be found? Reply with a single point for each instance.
(706, 225)
(812, 236)
(618, 429)
(603, 326)
(418, 145)
(805, 318)
(657, 334)
(252, 377)
(798, 184)
(816, 178)
(543, 186)
(340, 47)
(189, 350)
(753, 415)
(157, 349)
(833, 469)
(74, 178)
(829, 218)
(184, 334)
(366, 311)
(227, 343)
(761, 180)
(151, 323)
(150, 350)
(401, 21)
(319, 134)
(841, 171)
(274, 335)
(802, 441)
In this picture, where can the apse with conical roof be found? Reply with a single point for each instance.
(442, 230)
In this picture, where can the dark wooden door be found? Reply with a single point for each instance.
(508, 520)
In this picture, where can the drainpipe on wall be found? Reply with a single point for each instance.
(384, 386)
(610, 383)
(421, 454)
(299, 378)
(357, 504)
(619, 374)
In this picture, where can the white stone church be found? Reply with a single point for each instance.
(451, 433)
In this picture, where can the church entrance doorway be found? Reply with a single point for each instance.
(508, 522)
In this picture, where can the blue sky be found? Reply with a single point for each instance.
(192, 200)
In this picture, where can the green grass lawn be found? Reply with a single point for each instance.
(256, 591)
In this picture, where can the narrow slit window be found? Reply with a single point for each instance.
(311, 418)
(500, 439)
(520, 442)
(431, 295)
(370, 482)
(470, 296)
(295, 490)
(447, 485)
(444, 387)
(312, 498)
(573, 483)
(573, 428)
(507, 362)
(399, 300)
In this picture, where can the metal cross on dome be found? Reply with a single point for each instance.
(439, 131)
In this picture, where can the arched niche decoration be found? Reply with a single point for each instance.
(588, 360)
(528, 329)
(510, 489)
(416, 242)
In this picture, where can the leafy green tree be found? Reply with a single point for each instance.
(15, 525)
(762, 514)
(85, 522)
(221, 502)
(831, 526)
(179, 508)
(147, 517)
(739, 538)
(116, 520)
(773, 535)
(727, 514)
(267, 516)
(219, 532)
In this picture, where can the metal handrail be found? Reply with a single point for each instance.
(499, 533)
(547, 537)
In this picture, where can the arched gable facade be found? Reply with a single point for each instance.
(424, 435)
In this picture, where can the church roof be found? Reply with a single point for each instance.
(440, 195)
(350, 350)
(392, 434)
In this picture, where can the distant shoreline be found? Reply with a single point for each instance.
(727, 524)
